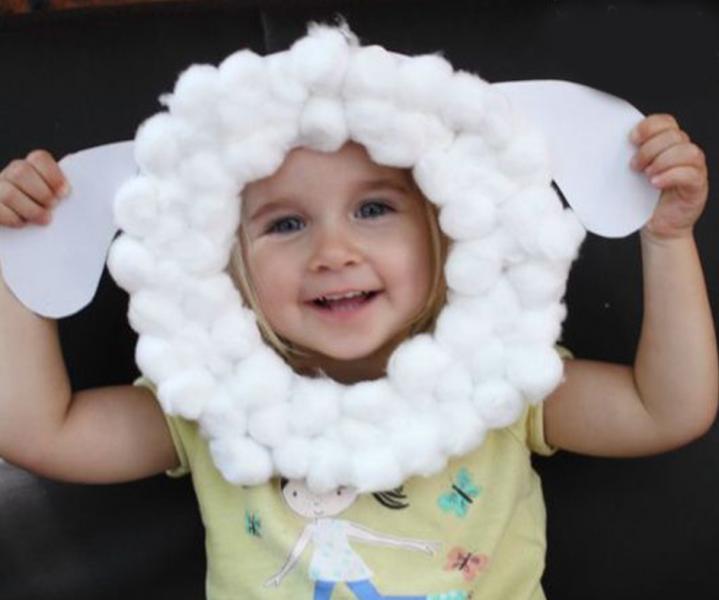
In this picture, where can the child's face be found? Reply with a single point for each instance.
(338, 250)
(316, 506)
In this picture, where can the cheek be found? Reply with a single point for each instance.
(274, 279)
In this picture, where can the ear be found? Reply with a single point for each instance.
(588, 136)
(54, 270)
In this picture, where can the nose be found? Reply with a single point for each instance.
(334, 248)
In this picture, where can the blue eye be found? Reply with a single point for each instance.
(286, 225)
(374, 209)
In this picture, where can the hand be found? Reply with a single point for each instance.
(274, 581)
(29, 190)
(675, 165)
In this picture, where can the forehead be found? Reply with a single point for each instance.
(305, 169)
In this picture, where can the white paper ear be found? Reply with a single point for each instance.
(55, 270)
(588, 136)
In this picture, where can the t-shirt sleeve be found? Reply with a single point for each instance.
(176, 425)
(530, 427)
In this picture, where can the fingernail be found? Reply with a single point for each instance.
(65, 190)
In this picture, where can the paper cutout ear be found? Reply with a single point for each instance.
(55, 270)
(588, 136)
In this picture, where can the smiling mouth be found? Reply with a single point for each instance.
(345, 301)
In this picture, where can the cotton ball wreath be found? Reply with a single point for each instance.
(511, 244)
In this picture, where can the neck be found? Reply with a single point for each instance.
(365, 368)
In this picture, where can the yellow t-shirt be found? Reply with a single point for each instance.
(483, 516)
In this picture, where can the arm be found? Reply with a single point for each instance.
(669, 396)
(368, 536)
(292, 559)
(102, 435)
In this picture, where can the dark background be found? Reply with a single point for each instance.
(629, 529)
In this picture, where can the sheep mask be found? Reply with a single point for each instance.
(493, 349)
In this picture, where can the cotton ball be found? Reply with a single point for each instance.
(269, 425)
(216, 216)
(130, 263)
(261, 379)
(522, 214)
(208, 297)
(159, 143)
(454, 385)
(330, 466)
(235, 333)
(534, 369)
(154, 313)
(369, 401)
(417, 445)
(417, 364)
(421, 81)
(527, 158)
(186, 393)
(463, 108)
(319, 60)
(406, 137)
(223, 417)
(255, 157)
(467, 428)
(470, 217)
(292, 457)
(283, 84)
(504, 306)
(314, 406)
(560, 236)
(193, 340)
(499, 125)
(540, 325)
(355, 434)
(498, 403)
(434, 174)
(136, 206)
(197, 88)
(322, 124)
(461, 329)
(537, 283)
(474, 267)
(155, 358)
(376, 469)
(489, 360)
(204, 171)
(242, 70)
(197, 254)
(371, 73)
(242, 461)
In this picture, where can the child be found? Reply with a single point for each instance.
(340, 258)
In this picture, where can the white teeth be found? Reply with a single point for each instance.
(346, 296)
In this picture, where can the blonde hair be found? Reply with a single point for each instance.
(422, 322)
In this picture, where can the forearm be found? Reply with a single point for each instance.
(34, 388)
(676, 363)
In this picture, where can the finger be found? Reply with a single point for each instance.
(689, 178)
(27, 209)
(651, 126)
(9, 218)
(688, 155)
(652, 147)
(50, 171)
(23, 176)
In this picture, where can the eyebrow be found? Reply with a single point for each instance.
(363, 187)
